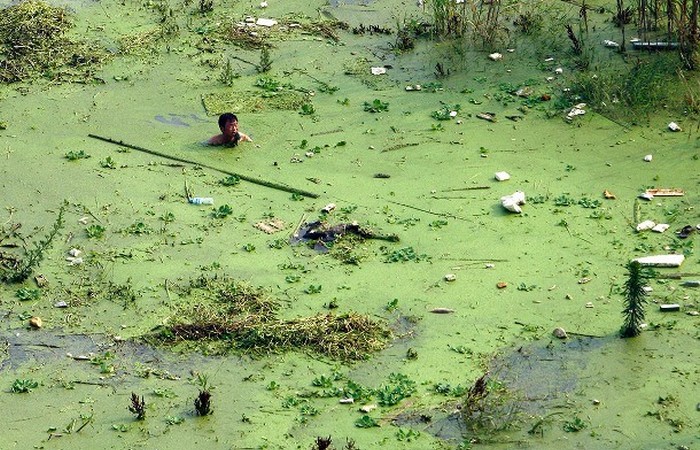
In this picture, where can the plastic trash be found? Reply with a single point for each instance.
(201, 200)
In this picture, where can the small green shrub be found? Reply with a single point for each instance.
(23, 386)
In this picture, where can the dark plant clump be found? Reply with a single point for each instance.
(138, 406)
(634, 301)
(202, 404)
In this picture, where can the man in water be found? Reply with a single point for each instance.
(230, 135)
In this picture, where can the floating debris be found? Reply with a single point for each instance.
(673, 126)
(495, 56)
(660, 227)
(501, 285)
(450, 277)
(513, 201)
(36, 322)
(502, 176)
(610, 44)
(378, 70)
(670, 307)
(661, 260)
(577, 110)
(559, 333)
(442, 311)
(608, 195)
(665, 192)
(270, 226)
(646, 225)
(491, 117)
(648, 158)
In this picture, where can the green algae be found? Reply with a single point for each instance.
(127, 283)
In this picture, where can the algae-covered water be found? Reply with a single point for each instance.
(380, 154)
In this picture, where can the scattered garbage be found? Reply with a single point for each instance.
(495, 56)
(685, 231)
(489, 116)
(270, 226)
(559, 333)
(669, 307)
(450, 277)
(673, 126)
(201, 200)
(577, 110)
(646, 225)
(608, 195)
(660, 227)
(648, 158)
(502, 176)
(328, 208)
(513, 201)
(610, 44)
(442, 311)
(36, 322)
(60, 304)
(414, 87)
(665, 192)
(346, 401)
(646, 196)
(263, 5)
(691, 283)
(661, 260)
(378, 70)
(74, 252)
(558, 70)
(265, 22)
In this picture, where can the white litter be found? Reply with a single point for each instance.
(611, 44)
(577, 110)
(495, 56)
(266, 22)
(513, 201)
(502, 176)
(646, 225)
(661, 260)
(648, 158)
(673, 126)
(558, 70)
(660, 227)
(378, 70)
(646, 196)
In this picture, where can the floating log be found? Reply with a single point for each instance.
(260, 182)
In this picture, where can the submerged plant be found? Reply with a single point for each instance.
(265, 60)
(95, 231)
(634, 301)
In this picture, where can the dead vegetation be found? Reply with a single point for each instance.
(33, 44)
(221, 314)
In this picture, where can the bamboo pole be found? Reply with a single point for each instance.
(258, 181)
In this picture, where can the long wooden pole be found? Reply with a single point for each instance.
(258, 181)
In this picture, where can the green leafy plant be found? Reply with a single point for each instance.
(74, 156)
(228, 75)
(18, 270)
(108, 163)
(269, 84)
(574, 425)
(202, 403)
(366, 422)
(398, 388)
(307, 109)
(376, 106)
(138, 228)
(249, 247)
(313, 289)
(95, 231)
(222, 212)
(25, 294)
(231, 180)
(23, 386)
(265, 60)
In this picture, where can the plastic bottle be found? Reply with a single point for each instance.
(201, 200)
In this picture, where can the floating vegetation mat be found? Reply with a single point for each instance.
(33, 45)
(220, 314)
(252, 101)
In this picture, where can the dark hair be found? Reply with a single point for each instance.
(226, 118)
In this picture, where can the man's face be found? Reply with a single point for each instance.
(231, 127)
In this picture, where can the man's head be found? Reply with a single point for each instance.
(225, 119)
